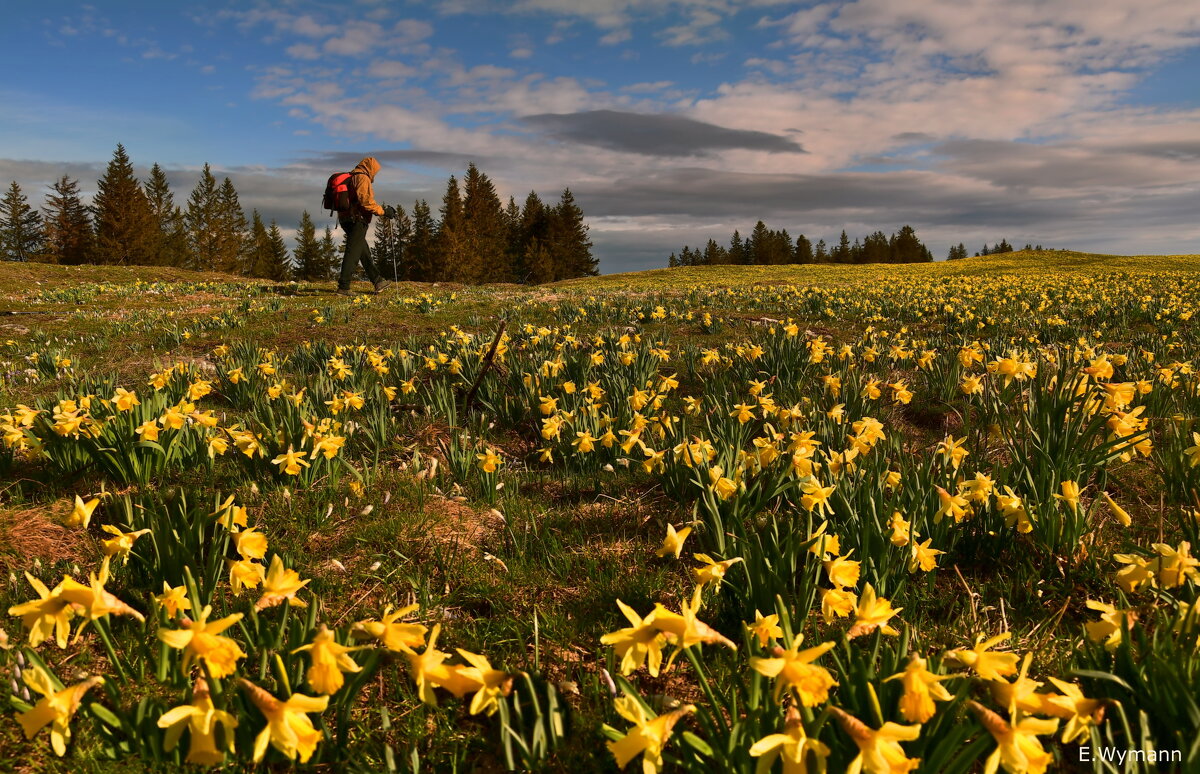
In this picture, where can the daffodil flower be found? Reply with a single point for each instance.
(795, 672)
(395, 636)
(289, 728)
(648, 736)
(201, 719)
(329, 660)
(55, 708)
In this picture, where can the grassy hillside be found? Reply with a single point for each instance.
(892, 464)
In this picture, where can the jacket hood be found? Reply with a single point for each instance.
(370, 166)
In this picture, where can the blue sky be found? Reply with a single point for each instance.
(1070, 123)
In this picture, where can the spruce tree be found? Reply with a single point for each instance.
(569, 241)
(758, 245)
(423, 263)
(391, 238)
(203, 224)
(484, 230)
(714, 254)
(330, 262)
(841, 253)
(513, 244)
(170, 240)
(535, 265)
(233, 235)
(450, 245)
(906, 247)
(278, 266)
(125, 231)
(820, 252)
(804, 250)
(21, 235)
(308, 251)
(737, 249)
(68, 229)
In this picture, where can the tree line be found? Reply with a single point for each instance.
(767, 247)
(475, 239)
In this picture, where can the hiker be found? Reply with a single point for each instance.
(355, 222)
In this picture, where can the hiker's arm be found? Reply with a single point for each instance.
(366, 194)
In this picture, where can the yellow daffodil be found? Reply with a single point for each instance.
(648, 736)
(329, 660)
(121, 543)
(873, 613)
(174, 600)
(987, 664)
(1019, 751)
(55, 708)
(489, 684)
(200, 718)
(289, 728)
(673, 543)
(1109, 627)
(765, 628)
(795, 672)
(394, 636)
(641, 643)
(81, 515)
(281, 585)
(49, 614)
(201, 640)
(879, 750)
(921, 689)
(793, 747)
(712, 571)
(290, 462)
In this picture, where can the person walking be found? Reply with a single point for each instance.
(355, 222)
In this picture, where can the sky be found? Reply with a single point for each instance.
(1066, 123)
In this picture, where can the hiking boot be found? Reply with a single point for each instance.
(382, 284)
(345, 292)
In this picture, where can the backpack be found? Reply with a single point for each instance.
(339, 194)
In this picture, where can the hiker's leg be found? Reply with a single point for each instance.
(356, 244)
(368, 262)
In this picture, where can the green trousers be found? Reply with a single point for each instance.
(357, 250)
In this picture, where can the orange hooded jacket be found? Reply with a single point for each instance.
(362, 178)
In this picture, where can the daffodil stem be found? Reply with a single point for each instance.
(102, 628)
(704, 686)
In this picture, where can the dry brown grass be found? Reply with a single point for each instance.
(32, 533)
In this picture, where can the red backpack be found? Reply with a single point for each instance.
(339, 193)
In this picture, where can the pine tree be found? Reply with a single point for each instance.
(841, 253)
(484, 230)
(758, 245)
(125, 231)
(276, 266)
(450, 243)
(512, 237)
(308, 251)
(714, 254)
(330, 261)
(820, 253)
(737, 249)
(875, 248)
(21, 235)
(423, 263)
(170, 241)
(68, 229)
(672, 261)
(906, 247)
(535, 265)
(804, 250)
(569, 242)
(203, 224)
(233, 235)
